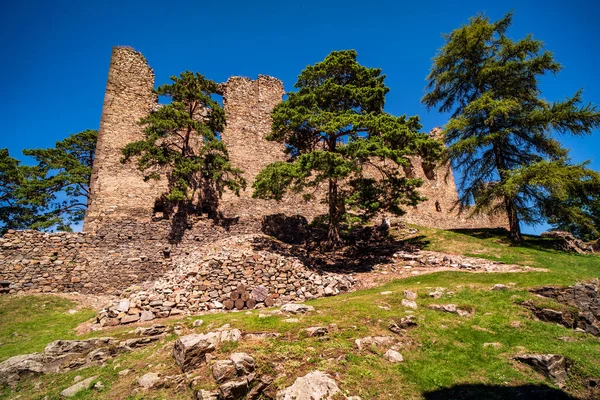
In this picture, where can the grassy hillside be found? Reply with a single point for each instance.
(446, 356)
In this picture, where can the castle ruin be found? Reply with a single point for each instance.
(118, 190)
(124, 242)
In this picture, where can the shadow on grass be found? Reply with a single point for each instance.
(363, 250)
(530, 241)
(491, 392)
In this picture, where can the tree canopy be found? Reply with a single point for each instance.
(337, 134)
(181, 140)
(501, 135)
(53, 193)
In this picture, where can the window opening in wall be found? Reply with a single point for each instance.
(438, 207)
(409, 171)
(429, 170)
(160, 210)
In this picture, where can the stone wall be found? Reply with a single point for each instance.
(439, 210)
(105, 261)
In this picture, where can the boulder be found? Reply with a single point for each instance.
(21, 366)
(223, 370)
(80, 386)
(567, 242)
(551, 365)
(291, 229)
(259, 293)
(234, 390)
(244, 363)
(410, 295)
(190, 351)
(315, 385)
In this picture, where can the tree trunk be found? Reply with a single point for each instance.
(333, 235)
(513, 221)
(509, 203)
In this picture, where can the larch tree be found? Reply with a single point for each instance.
(337, 134)
(181, 140)
(501, 134)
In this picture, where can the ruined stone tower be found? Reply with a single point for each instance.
(118, 190)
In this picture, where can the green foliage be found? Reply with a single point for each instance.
(51, 194)
(336, 133)
(59, 184)
(501, 126)
(181, 142)
(14, 213)
(576, 208)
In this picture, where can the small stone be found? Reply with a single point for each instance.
(317, 331)
(499, 286)
(149, 380)
(410, 295)
(124, 372)
(99, 385)
(409, 304)
(72, 391)
(128, 319)
(291, 320)
(294, 308)
(197, 323)
(515, 324)
(393, 356)
(495, 345)
(386, 292)
(147, 316)
(123, 305)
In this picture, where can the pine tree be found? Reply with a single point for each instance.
(500, 135)
(335, 132)
(58, 185)
(14, 212)
(181, 140)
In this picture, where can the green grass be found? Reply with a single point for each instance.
(29, 323)
(443, 351)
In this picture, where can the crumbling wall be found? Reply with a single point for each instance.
(248, 104)
(118, 190)
(106, 260)
(440, 209)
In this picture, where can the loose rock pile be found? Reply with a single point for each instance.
(231, 274)
(424, 258)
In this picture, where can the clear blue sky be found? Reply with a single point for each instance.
(56, 53)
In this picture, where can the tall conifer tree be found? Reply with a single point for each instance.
(501, 132)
